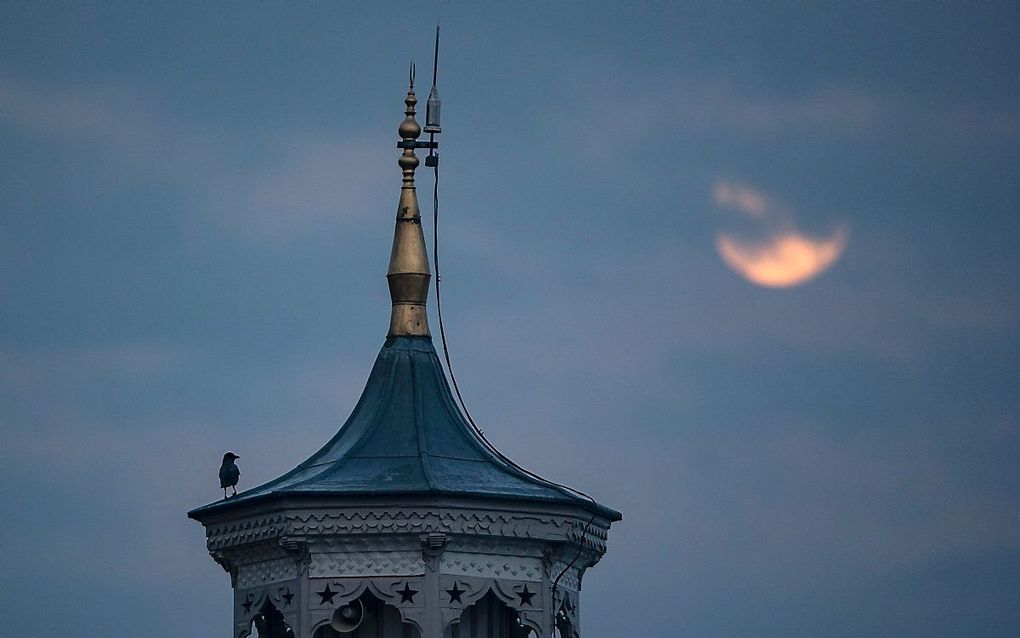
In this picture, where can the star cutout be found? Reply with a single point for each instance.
(326, 595)
(526, 596)
(455, 593)
(248, 602)
(407, 594)
(287, 597)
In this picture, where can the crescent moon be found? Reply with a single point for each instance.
(783, 260)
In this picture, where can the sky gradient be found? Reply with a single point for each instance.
(197, 205)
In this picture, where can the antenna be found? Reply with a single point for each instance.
(435, 59)
(432, 106)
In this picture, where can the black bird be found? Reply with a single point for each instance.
(229, 473)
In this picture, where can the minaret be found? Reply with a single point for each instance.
(407, 523)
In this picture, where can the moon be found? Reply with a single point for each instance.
(781, 260)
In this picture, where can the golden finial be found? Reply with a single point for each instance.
(409, 131)
(408, 275)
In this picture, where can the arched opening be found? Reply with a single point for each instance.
(489, 617)
(366, 617)
(269, 623)
(562, 625)
(563, 628)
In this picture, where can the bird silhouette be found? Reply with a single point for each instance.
(229, 473)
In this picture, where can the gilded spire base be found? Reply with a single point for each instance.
(409, 320)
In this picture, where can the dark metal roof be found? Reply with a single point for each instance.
(406, 436)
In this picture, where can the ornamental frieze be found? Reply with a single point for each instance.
(359, 564)
(491, 566)
(265, 572)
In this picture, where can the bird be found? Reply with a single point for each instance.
(229, 473)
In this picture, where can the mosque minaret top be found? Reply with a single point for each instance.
(407, 522)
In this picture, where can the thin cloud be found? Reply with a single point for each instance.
(108, 113)
(714, 106)
(24, 369)
(740, 197)
(317, 183)
(720, 105)
(311, 185)
(643, 103)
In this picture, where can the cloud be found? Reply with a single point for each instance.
(318, 182)
(662, 107)
(110, 113)
(980, 118)
(819, 107)
(740, 197)
(718, 107)
(307, 185)
(781, 261)
(29, 370)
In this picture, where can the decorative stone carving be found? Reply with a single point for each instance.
(489, 566)
(246, 530)
(264, 572)
(361, 564)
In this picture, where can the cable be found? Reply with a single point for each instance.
(460, 398)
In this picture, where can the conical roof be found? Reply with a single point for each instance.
(406, 436)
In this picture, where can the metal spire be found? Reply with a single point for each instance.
(408, 275)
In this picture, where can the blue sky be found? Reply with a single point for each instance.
(197, 205)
